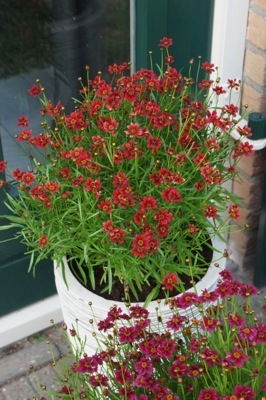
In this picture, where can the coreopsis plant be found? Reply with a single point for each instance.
(130, 183)
(219, 355)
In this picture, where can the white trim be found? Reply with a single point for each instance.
(228, 39)
(29, 320)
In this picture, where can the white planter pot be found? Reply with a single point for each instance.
(75, 300)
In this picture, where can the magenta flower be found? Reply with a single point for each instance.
(208, 394)
(138, 312)
(127, 334)
(187, 299)
(235, 320)
(143, 366)
(176, 322)
(209, 323)
(237, 357)
(166, 348)
(98, 380)
(87, 365)
(123, 375)
(244, 392)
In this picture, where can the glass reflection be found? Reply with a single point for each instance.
(53, 40)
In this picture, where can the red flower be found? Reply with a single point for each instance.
(141, 245)
(244, 392)
(117, 235)
(171, 195)
(234, 211)
(210, 212)
(28, 178)
(143, 366)
(148, 203)
(43, 241)
(209, 68)
(237, 357)
(108, 124)
(35, 90)
(24, 135)
(23, 121)
(2, 166)
(127, 334)
(243, 149)
(106, 206)
(76, 121)
(176, 322)
(208, 394)
(163, 217)
(134, 130)
(165, 42)
(233, 84)
(169, 281)
(209, 324)
(192, 229)
(244, 131)
(52, 187)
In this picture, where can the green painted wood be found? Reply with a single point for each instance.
(18, 288)
(187, 22)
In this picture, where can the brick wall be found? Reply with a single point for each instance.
(242, 245)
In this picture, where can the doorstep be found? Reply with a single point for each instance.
(29, 320)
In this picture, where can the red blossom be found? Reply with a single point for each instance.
(43, 241)
(243, 149)
(233, 84)
(23, 121)
(244, 131)
(165, 42)
(28, 178)
(192, 229)
(24, 135)
(171, 195)
(148, 203)
(234, 211)
(52, 187)
(209, 68)
(2, 166)
(210, 212)
(106, 206)
(117, 235)
(169, 281)
(35, 90)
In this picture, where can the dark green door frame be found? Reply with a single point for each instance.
(187, 22)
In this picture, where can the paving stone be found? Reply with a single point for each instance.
(58, 336)
(1, 395)
(17, 364)
(45, 376)
(19, 389)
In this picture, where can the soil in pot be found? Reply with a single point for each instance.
(118, 293)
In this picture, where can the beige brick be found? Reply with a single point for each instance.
(254, 164)
(250, 190)
(255, 67)
(243, 243)
(255, 100)
(256, 30)
(260, 3)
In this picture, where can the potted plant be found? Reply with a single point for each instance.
(219, 355)
(126, 192)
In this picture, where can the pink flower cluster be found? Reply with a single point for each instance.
(217, 356)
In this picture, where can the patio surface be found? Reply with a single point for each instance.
(26, 365)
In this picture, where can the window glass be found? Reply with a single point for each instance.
(53, 40)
